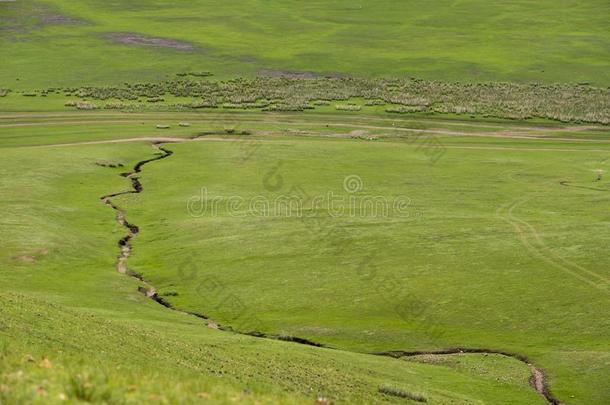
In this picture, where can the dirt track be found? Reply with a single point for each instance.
(278, 140)
(515, 132)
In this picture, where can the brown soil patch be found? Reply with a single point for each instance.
(59, 19)
(141, 40)
(26, 259)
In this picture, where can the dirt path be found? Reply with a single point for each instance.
(530, 238)
(518, 133)
(153, 139)
(170, 139)
(537, 379)
(271, 117)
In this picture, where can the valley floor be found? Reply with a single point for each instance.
(493, 241)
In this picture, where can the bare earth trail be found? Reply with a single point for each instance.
(531, 240)
(538, 380)
(518, 132)
(78, 116)
(175, 139)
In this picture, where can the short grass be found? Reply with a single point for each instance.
(507, 266)
(43, 128)
(501, 244)
(471, 40)
(494, 251)
(72, 328)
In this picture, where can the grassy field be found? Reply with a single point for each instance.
(104, 340)
(491, 251)
(71, 43)
(305, 202)
(479, 219)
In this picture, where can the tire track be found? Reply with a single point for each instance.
(569, 184)
(533, 242)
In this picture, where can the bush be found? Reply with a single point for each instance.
(561, 102)
(85, 105)
(403, 109)
(84, 387)
(348, 107)
(401, 393)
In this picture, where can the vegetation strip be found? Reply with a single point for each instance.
(559, 102)
(538, 380)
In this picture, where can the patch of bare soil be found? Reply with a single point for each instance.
(141, 40)
(59, 19)
(32, 257)
(26, 259)
(537, 379)
(18, 17)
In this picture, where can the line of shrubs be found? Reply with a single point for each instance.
(562, 102)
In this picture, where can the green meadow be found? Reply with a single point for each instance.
(489, 251)
(103, 341)
(281, 202)
(74, 43)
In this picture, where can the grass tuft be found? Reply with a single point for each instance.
(401, 393)
(88, 388)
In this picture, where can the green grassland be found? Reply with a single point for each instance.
(427, 280)
(465, 148)
(106, 342)
(71, 43)
(493, 253)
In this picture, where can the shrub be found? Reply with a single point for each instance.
(84, 387)
(202, 104)
(115, 106)
(561, 102)
(348, 107)
(401, 393)
(85, 105)
(403, 109)
(232, 105)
